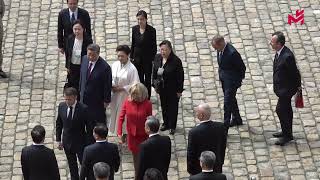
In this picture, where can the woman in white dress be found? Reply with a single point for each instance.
(124, 75)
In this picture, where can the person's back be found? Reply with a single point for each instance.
(208, 176)
(37, 161)
(207, 136)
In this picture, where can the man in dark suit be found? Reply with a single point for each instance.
(101, 151)
(95, 83)
(207, 161)
(73, 120)
(155, 152)
(231, 72)
(286, 82)
(37, 161)
(66, 18)
(207, 136)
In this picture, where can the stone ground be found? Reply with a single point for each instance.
(37, 74)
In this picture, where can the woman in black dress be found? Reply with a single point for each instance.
(144, 48)
(167, 79)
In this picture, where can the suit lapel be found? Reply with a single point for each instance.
(68, 19)
(94, 70)
(75, 114)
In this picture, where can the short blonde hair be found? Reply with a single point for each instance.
(138, 92)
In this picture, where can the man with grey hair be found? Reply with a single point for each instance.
(207, 136)
(95, 84)
(155, 152)
(207, 161)
(231, 72)
(101, 171)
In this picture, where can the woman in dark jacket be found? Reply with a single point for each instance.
(76, 48)
(144, 48)
(167, 79)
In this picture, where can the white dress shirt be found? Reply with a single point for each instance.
(75, 14)
(150, 135)
(73, 109)
(100, 141)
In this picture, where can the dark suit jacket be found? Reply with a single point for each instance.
(38, 163)
(155, 152)
(231, 66)
(95, 90)
(75, 132)
(173, 75)
(146, 49)
(207, 136)
(99, 152)
(208, 176)
(65, 26)
(286, 76)
(87, 40)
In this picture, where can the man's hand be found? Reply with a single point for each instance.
(68, 70)
(105, 104)
(120, 139)
(61, 50)
(179, 95)
(60, 147)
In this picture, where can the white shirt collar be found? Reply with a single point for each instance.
(100, 141)
(278, 52)
(150, 135)
(35, 144)
(75, 13)
(205, 121)
(203, 170)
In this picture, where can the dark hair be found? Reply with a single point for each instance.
(68, 1)
(152, 174)
(208, 158)
(280, 37)
(38, 134)
(142, 13)
(78, 21)
(101, 170)
(124, 48)
(101, 130)
(94, 48)
(70, 91)
(166, 42)
(153, 124)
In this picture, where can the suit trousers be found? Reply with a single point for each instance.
(72, 161)
(285, 114)
(145, 70)
(170, 107)
(74, 76)
(230, 103)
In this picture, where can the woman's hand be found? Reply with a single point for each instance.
(120, 139)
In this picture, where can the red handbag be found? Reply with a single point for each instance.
(299, 99)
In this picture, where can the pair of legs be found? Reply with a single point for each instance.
(169, 106)
(72, 156)
(145, 70)
(231, 109)
(285, 114)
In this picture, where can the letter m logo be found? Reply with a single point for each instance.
(299, 16)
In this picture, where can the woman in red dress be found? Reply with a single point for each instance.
(135, 109)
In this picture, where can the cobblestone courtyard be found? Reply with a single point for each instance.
(37, 74)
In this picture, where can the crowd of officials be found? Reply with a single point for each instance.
(125, 87)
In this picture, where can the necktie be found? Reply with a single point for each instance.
(73, 18)
(69, 118)
(89, 70)
(276, 58)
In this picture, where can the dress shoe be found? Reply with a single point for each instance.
(283, 140)
(163, 128)
(277, 134)
(172, 131)
(3, 74)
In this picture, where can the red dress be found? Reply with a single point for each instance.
(136, 114)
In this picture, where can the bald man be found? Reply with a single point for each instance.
(207, 136)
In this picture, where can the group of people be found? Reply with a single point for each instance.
(92, 85)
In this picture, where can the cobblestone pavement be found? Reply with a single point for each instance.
(37, 75)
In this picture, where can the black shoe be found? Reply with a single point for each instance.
(163, 128)
(283, 140)
(277, 134)
(3, 74)
(172, 131)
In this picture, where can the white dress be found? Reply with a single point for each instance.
(125, 77)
